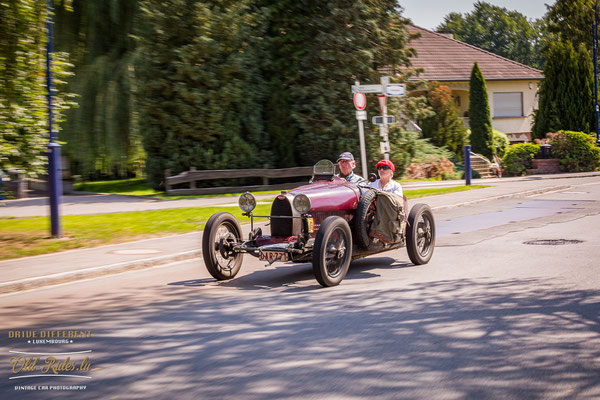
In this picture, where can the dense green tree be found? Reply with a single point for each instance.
(445, 127)
(102, 134)
(566, 93)
(318, 50)
(479, 115)
(200, 85)
(498, 30)
(24, 129)
(571, 20)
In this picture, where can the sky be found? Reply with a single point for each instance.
(430, 13)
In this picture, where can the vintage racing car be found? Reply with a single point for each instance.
(327, 222)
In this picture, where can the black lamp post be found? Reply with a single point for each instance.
(595, 47)
(54, 178)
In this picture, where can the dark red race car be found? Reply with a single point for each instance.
(327, 222)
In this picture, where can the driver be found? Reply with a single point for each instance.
(346, 163)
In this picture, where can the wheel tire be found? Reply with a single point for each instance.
(222, 229)
(420, 234)
(365, 213)
(332, 253)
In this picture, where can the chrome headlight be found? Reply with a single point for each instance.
(247, 202)
(301, 203)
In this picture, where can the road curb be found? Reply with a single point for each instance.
(94, 272)
(505, 196)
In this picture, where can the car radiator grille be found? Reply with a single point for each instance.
(281, 226)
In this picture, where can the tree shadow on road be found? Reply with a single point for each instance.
(464, 338)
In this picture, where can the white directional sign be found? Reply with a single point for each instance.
(361, 115)
(378, 120)
(367, 88)
(395, 90)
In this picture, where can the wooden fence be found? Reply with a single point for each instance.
(192, 176)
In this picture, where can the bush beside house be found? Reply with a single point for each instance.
(576, 150)
(518, 158)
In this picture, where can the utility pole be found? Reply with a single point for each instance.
(54, 178)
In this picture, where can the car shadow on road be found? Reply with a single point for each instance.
(291, 275)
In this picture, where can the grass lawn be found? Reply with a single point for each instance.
(20, 237)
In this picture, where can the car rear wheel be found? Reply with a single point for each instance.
(365, 214)
(332, 252)
(420, 234)
(221, 234)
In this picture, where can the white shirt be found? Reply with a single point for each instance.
(391, 187)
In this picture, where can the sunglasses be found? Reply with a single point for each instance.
(383, 167)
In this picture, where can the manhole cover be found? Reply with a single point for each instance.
(552, 242)
(136, 251)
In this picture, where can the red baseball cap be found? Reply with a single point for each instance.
(386, 163)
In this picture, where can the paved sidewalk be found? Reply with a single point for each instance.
(86, 204)
(30, 272)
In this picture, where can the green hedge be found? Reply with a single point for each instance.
(518, 158)
(576, 150)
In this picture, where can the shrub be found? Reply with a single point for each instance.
(518, 158)
(500, 143)
(434, 168)
(576, 151)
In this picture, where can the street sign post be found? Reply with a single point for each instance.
(381, 120)
(385, 89)
(360, 102)
(367, 88)
(395, 90)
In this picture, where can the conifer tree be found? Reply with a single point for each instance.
(479, 115)
(566, 93)
(200, 87)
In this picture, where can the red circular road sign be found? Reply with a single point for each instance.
(360, 101)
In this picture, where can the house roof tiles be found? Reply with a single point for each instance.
(446, 59)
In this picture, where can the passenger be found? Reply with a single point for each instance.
(347, 164)
(386, 169)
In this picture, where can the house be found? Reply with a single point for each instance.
(511, 86)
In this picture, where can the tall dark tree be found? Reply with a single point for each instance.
(200, 85)
(498, 30)
(102, 134)
(23, 107)
(318, 50)
(566, 93)
(479, 114)
(571, 20)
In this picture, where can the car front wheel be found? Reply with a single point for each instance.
(420, 234)
(332, 253)
(221, 234)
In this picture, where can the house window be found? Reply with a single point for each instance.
(508, 104)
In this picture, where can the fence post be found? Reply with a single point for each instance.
(167, 186)
(467, 165)
(265, 179)
(192, 182)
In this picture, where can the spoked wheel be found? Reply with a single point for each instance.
(332, 252)
(365, 214)
(221, 234)
(420, 234)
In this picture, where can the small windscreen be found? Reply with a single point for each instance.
(324, 167)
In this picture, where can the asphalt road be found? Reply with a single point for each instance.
(490, 317)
